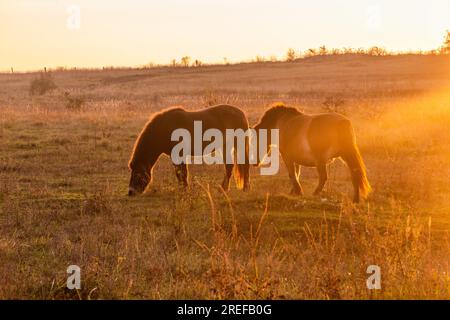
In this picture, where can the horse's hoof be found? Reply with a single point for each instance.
(318, 195)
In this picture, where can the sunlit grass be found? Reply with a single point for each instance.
(64, 178)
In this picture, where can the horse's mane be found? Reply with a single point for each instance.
(138, 154)
(163, 113)
(278, 109)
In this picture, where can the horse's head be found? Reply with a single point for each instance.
(140, 178)
(269, 121)
(271, 116)
(262, 130)
(145, 154)
(259, 127)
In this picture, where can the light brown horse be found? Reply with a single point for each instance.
(155, 140)
(314, 141)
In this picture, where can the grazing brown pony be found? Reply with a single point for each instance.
(314, 141)
(155, 140)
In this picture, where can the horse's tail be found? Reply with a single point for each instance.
(352, 157)
(241, 171)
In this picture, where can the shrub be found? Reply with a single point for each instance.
(73, 103)
(43, 84)
(185, 61)
(376, 51)
(445, 49)
(334, 104)
(259, 59)
(291, 55)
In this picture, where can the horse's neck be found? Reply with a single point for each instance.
(152, 160)
(149, 152)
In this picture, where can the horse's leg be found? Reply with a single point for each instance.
(354, 172)
(247, 165)
(246, 176)
(291, 167)
(355, 182)
(323, 176)
(298, 170)
(226, 178)
(182, 174)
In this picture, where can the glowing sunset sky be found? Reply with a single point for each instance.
(38, 33)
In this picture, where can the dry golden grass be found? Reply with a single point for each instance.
(64, 178)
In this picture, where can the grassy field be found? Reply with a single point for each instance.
(64, 179)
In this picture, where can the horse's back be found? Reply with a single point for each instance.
(313, 136)
(224, 109)
(326, 132)
(221, 116)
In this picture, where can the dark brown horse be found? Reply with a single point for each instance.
(155, 140)
(314, 141)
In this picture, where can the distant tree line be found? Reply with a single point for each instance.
(445, 49)
(291, 55)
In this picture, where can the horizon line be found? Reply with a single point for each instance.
(361, 51)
